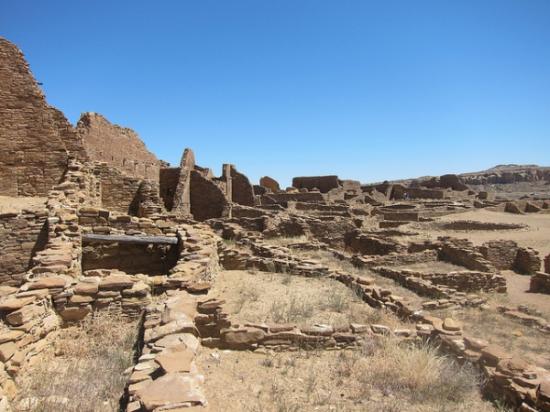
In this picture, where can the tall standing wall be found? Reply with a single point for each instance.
(35, 138)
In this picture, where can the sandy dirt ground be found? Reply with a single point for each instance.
(536, 235)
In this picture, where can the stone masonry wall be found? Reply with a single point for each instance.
(168, 182)
(242, 191)
(119, 147)
(35, 137)
(207, 199)
(118, 192)
(323, 183)
(21, 235)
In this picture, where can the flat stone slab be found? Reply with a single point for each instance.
(48, 283)
(177, 359)
(172, 391)
(12, 304)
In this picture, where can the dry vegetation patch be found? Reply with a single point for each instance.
(380, 376)
(84, 370)
(283, 298)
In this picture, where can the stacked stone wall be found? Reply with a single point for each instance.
(35, 137)
(21, 236)
(119, 147)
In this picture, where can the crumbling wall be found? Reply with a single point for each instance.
(527, 261)
(169, 177)
(35, 138)
(462, 252)
(370, 245)
(540, 283)
(283, 198)
(400, 192)
(323, 183)
(120, 147)
(270, 184)
(182, 197)
(501, 253)
(207, 199)
(21, 236)
(241, 189)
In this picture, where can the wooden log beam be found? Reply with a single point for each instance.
(139, 240)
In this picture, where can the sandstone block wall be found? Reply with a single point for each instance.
(169, 177)
(21, 236)
(370, 245)
(527, 261)
(501, 253)
(540, 283)
(35, 138)
(270, 184)
(207, 199)
(241, 189)
(119, 192)
(283, 198)
(400, 192)
(323, 183)
(120, 147)
(462, 253)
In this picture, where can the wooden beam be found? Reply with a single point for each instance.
(140, 240)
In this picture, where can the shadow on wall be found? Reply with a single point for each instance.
(130, 258)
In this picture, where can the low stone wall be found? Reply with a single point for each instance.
(474, 225)
(461, 252)
(406, 216)
(519, 383)
(28, 326)
(283, 198)
(366, 244)
(217, 330)
(166, 376)
(451, 286)
(526, 316)
(395, 259)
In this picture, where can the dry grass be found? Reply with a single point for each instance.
(285, 298)
(84, 370)
(381, 376)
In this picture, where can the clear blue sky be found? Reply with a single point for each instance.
(369, 90)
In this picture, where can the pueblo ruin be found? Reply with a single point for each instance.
(236, 290)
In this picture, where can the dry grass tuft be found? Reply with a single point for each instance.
(383, 375)
(84, 371)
